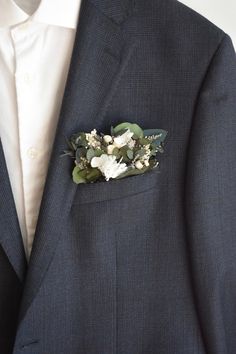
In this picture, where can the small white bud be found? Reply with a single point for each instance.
(138, 165)
(107, 139)
(110, 149)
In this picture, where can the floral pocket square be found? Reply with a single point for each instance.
(128, 150)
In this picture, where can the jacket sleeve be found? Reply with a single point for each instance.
(210, 202)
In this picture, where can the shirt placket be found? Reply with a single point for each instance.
(29, 146)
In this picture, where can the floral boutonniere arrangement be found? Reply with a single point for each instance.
(128, 150)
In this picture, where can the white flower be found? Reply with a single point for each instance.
(131, 143)
(123, 139)
(108, 165)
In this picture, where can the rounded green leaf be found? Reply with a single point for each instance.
(90, 154)
(130, 154)
(98, 152)
(116, 152)
(93, 174)
(79, 176)
(122, 126)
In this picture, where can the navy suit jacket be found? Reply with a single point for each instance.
(144, 264)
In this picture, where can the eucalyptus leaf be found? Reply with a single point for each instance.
(123, 153)
(140, 152)
(156, 142)
(93, 174)
(161, 132)
(79, 176)
(79, 139)
(90, 154)
(122, 126)
(80, 152)
(130, 154)
(98, 152)
(116, 152)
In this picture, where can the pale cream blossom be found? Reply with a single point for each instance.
(131, 143)
(124, 139)
(110, 149)
(107, 139)
(108, 165)
(93, 139)
(138, 164)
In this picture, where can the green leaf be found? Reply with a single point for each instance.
(68, 153)
(99, 152)
(140, 152)
(90, 154)
(112, 131)
(116, 152)
(134, 128)
(123, 153)
(144, 141)
(161, 132)
(156, 148)
(121, 127)
(133, 172)
(93, 174)
(130, 154)
(80, 152)
(79, 176)
(79, 139)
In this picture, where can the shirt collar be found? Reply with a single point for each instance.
(59, 13)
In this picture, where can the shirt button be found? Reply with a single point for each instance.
(32, 153)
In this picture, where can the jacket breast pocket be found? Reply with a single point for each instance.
(115, 189)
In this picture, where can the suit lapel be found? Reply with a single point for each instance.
(10, 234)
(99, 57)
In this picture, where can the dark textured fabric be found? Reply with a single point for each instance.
(10, 296)
(146, 264)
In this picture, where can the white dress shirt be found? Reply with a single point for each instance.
(35, 53)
